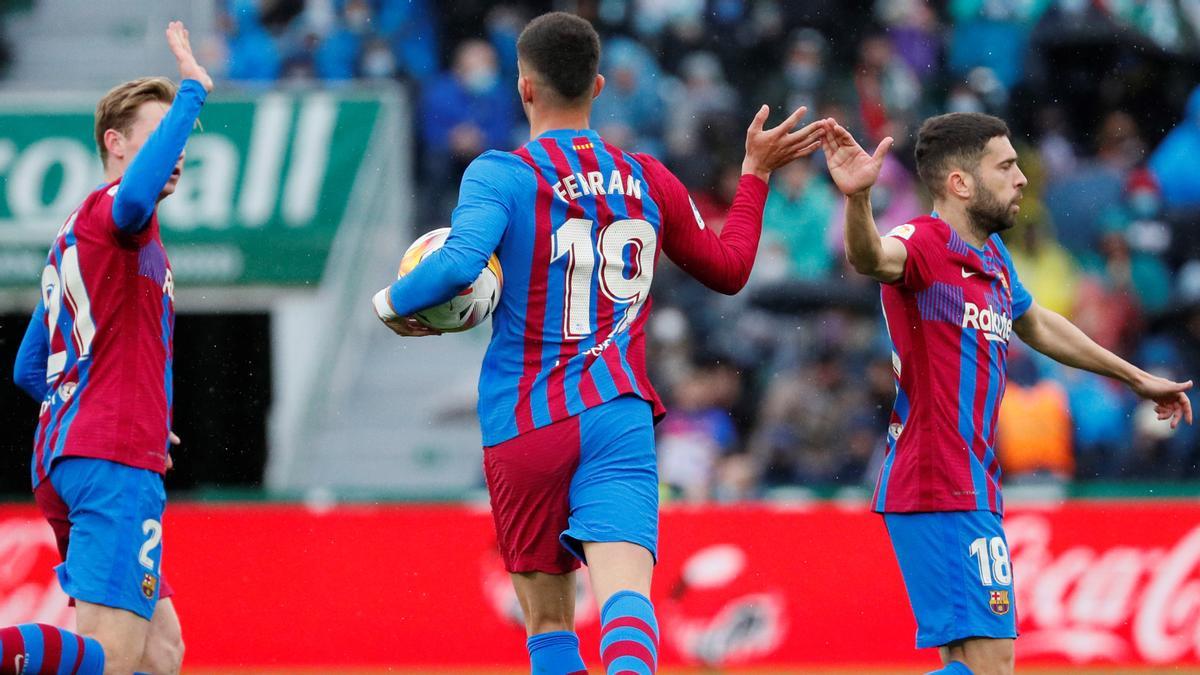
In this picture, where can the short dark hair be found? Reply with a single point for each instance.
(954, 139)
(564, 50)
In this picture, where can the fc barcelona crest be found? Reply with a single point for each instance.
(150, 584)
(1004, 282)
(998, 601)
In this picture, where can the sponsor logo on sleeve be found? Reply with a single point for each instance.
(905, 231)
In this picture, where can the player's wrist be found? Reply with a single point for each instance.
(383, 305)
(752, 168)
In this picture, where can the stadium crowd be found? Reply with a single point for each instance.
(790, 382)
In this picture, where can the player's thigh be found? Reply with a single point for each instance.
(120, 632)
(958, 575)
(114, 553)
(528, 479)
(984, 656)
(614, 493)
(547, 601)
(164, 642)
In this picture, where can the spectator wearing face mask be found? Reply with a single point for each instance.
(464, 112)
(337, 57)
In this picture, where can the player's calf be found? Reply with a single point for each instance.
(980, 656)
(32, 648)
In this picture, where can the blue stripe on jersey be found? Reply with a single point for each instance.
(901, 408)
(508, 322)
(34, 647)
(168, 370)
(966, 413)
(574, 367)
(555, 290)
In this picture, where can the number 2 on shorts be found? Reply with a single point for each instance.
(153, 531)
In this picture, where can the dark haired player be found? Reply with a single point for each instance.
(951, 299)
(566, 408)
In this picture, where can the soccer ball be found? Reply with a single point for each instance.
(472, 305)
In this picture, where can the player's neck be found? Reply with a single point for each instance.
(542, 121)
(956, 216)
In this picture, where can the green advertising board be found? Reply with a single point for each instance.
(267, 182)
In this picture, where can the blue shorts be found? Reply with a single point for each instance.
(107, 518)
(958, 574)
(588, 478)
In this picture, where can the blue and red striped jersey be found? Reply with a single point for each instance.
(577, 225)
(109, 318)
(950, 318)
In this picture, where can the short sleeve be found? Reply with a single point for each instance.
(925, 244)
(1021, 298)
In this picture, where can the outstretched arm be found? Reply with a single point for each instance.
(854, 172)
(723, 262)
(1053, 335)
(151, 168)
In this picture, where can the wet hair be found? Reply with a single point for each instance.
(954, 140)
(564, 51)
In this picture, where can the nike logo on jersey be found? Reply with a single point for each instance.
(966, 274)
(696, 212)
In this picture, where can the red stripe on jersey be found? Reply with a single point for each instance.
(637, 345)
(535, 308)
(978, 403)
(556, 381)
(604, 304)
(51, 648)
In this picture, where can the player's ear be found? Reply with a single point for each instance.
(525, 89)
(960, 184)
(598, 86)
(114, 143)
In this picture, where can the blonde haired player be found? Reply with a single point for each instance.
(98, 354)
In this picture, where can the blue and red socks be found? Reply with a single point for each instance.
(953, 668)
(629, 634)
(33, 648)
(555, 653)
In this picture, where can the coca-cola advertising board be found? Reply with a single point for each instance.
(1097, 583)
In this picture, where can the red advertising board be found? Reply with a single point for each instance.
(287, 586)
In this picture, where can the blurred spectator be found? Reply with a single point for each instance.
(701, 95)
(1033, 426)
(408, 26)
(699, 432)
(992, 34)
(801, 436)
(887, 90)
(1047, 270)
(795, 219)
(1133, 238)
(1054, 145)
(913, 27)
(464, 112)
(630, 113)
(337, 57)
(1174, 161)
(1079, 202)
(253, 54)
(804, 79)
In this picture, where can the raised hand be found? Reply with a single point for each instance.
(769, 149)
(850, 167)
(1170, 401)
(181, 47)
